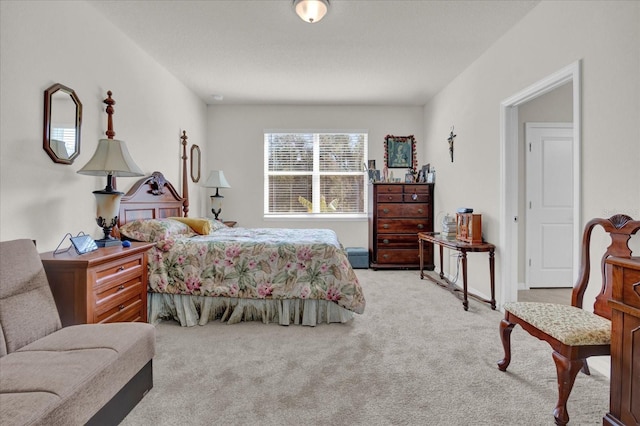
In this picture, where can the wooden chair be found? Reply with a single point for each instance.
(573, 333)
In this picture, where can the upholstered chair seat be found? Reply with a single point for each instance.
(568, 324)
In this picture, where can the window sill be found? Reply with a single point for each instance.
(316, 217)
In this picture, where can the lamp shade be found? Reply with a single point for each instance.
(111, 158)
(216, 179)
(311, 11)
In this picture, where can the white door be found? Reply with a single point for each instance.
(549, 192)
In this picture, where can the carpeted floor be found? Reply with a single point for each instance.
(415, 357)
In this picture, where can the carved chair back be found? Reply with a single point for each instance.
(620, 228)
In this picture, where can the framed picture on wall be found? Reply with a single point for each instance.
(400, 152)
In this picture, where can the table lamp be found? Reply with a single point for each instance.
(216, 180)
(110, 159)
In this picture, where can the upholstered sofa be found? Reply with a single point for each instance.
(49, 375)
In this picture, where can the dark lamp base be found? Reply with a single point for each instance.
(111, 242)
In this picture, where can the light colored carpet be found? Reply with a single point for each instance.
(415, 357)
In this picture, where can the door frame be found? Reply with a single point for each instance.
(509, 149)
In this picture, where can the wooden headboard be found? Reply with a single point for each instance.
(152, 197)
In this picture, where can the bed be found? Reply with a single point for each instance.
(201, 270)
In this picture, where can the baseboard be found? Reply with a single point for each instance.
(128, 397)
(458, 284)
(601, 364)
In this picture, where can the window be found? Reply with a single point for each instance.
(315, 174)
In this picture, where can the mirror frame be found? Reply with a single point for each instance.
(48, 94)
(195, 165)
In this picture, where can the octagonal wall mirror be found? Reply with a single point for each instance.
(195, 163)
(62, 120)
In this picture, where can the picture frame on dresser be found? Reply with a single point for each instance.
(431, 177)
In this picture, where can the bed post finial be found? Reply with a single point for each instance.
(110, 103)
(185, 182)
(110, 132)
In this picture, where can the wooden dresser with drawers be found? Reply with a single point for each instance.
(105, 285)
(625, 342)
(397, 212)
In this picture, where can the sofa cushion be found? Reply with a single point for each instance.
(27, 308)
(24, 408)
(70, 374)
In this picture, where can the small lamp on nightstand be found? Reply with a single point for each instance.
(110, 159)
(216, 180)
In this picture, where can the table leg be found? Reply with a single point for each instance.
(492, 272)
(441, 267)
(420, 244)
(465, 300)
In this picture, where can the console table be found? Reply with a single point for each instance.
(463, 248)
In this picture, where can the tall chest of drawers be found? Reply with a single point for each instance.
(625, 342)
(106, 285)
(397, 212)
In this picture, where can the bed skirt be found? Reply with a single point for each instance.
(198, 310)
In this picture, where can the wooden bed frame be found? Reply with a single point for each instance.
(154, 197)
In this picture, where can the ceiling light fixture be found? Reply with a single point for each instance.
(311, 11)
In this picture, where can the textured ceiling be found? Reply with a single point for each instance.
(362, 53)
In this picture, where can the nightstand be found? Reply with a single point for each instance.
(105, 285)
(230, 223)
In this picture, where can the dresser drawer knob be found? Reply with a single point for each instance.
(420, 226)
(420, 211)
(386, 256)
(386, 211)
(390, 197)
(121, 307)
(385, 226)
(121, 287)
(385, 241)
(121, 268)
(414, 196)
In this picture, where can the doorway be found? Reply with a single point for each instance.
(510, 177)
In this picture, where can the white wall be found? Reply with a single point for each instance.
(606, 37)
(236, 135)
(68, 42)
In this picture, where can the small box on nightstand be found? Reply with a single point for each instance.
(358, 257)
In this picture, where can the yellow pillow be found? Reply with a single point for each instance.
(200, 226)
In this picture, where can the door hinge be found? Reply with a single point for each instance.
(529, 204)
(529, 147)
(529, 262)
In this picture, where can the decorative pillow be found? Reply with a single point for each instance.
(153, 230)
(200, 226)
(216, 224)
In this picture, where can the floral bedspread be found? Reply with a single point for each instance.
(257, 263)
